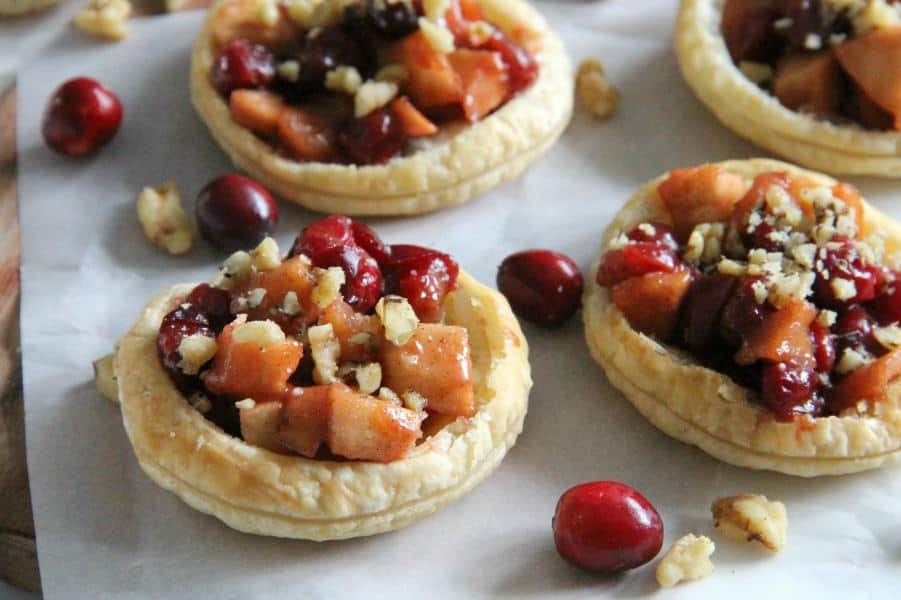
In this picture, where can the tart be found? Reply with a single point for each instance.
(9, 8)
(751, 308)
(815, 82)
(287, 400)
(380, 107)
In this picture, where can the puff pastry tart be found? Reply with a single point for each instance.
(21, 7)
(295, 400)
(818, 82)
(751, 308)
(381, 107)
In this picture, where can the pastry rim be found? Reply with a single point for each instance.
(14, 8)
(257, 491)
(705, 408)
(758, 116)
(449, 172)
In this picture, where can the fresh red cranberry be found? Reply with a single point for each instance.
(607, 527)
(788, 390)
(633, 260)
(372, 140)
(657, 233)
(423, 276)
(213, 303)
(748, 30)
(742, 313)
(543, 286)
(522, 67)
(845, 263)
(823, 344)
(81, 117)
(886, 306)
(702, 309)
(854, 329)
(369, 240)
(235, 212)
(241, 65)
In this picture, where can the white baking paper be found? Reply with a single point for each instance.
(87, 270)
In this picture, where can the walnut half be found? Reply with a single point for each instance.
(163, 219)
(595, 90)
(751, 517)
(104, 18)
(686, 560)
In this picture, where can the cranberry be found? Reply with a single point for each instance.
(887, 304)
(657, 233)
(392, 20)
(543, 286)
(702, 309)
(81, 117)
(176, 325)
(806, 18)
(788, 390)
(213, 303)
(369, 241)
(522, 67)
(242, 64)
(748, 30)
(742, 313)
(323, 237)
(761, 236)
(235, 212)
(606, 526)
(373, 139)
(854, 329)
(823, 344)
(423, 276)
(329, 49)
(845, 263)
(633, 260)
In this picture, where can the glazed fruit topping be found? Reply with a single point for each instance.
(780, 290)
(543, 286)
(81, 117)
(243, 65)
(235, 212)
(289, 354)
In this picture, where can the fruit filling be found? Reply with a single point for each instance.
(337, 350)
(836, 59)
(777, 284)
(358, 81)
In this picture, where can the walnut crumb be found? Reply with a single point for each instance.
(104, 18)
(687, 559)
(373, 95)
(163, 219)
(751, 518)
(398, 318)
(596, 91)
(439, 38)
(195, 351)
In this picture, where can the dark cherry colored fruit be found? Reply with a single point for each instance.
(807, 18)
(522, 67)
(845, 262)
(633, 260)
(242, 65)
(607, 527)
(423, 276)
(235, 212)
(176, 325)
(81, 117)
(887, 304)
(323, 237)
(662, 234)
(854, 329)
(369, 240)
(823, 344)
(760, 237)
(543, 286)
(748, 30)
(373, 139)
(788, 390)
(392, 20)
(330, 48)
(213, 303)
(742, 313)
(702, 309)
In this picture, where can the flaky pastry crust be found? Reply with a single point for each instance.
(9, 8)
(257, 491)
(754, 114)
(705, 408)
(450, 170)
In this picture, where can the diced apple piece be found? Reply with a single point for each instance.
(873, 61)
(809, 82)
(292, 275)
(651, 302)
(755, 197)
(260, 424)
(747, 28)
(782, 336)
(239, 19)
(357, 333)
(257, 110)
(431, 82)
(305, 418)
(868, 382)
(705, 194)
(247, 369)
(484, 79)
(412, 122)
(306, 136)
(870, 115)
(362, 427)
(436, 364)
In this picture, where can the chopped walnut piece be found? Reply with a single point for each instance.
(686, 560)
(328, 285)
(105, 378)
(595, 90)
(373, 95)
(163, 219)
(265, 256)
(366, 377)
(262, 333)
(344, 79)
(751, 517)
(398, 318)
(195, 351)
(392, 73)
(104, 18)
(439, 38)
(326, 351)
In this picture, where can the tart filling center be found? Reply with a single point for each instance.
(335, 351)
(772, 283)
(359, 81)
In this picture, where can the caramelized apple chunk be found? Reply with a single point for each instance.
(810, 83)
(873, 61)
(782, 336)
(651, 302)
(705, 194)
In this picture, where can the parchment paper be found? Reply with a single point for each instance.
(87, 270)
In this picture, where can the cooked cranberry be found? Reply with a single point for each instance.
(373, 139)
(81, 117)
(323, 236)
(330, 48)
(211, 302)
(763, 236)
(854, 329)
(702, 308)
(804, 18)
(845, 263)
(369, 241)
(742, 313)
(657, 233)
(421, 275)
(823, 344)
(392, 20)
(522, 67)
(788, 390)
(235, 212)
(179, 323)
(606, 526)
(543, 286)
(748, 30)
(633, 260)
(242, 64)
(887, 304)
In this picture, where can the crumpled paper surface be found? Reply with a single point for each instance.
(104, 528)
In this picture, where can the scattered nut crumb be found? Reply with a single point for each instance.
(373, 95)
(326, 351)
(595, 90)
(439, 38)
(686, 560)
(104, 18)
(163, 219)
(328, 285)
(344, 79)
(105, 378)
(195, 351)
(749, 518)
(398, 318)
